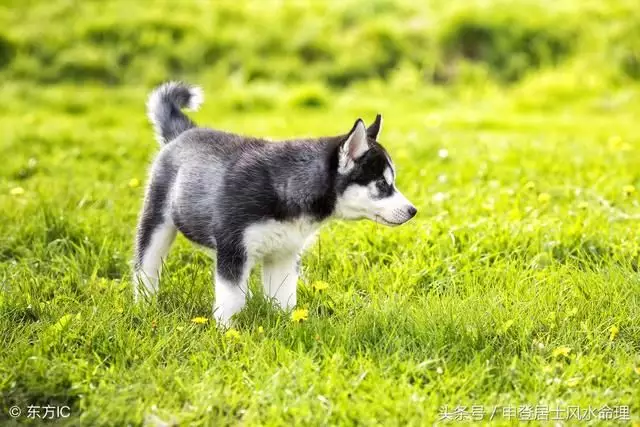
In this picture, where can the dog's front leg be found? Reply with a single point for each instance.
(231, 285)
(280, 279)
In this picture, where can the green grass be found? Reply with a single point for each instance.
(526, 239)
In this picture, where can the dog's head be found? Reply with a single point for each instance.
(366, 179)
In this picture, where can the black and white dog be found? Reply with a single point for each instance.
(253, 200)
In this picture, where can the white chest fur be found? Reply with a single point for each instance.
(273, 238)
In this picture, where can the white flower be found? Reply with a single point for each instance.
(439, 197)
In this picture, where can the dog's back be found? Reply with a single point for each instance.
(254, 200)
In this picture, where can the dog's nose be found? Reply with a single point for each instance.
(412, 211)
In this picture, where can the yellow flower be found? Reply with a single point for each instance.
(199, 320)
(613, 332)
(17, 191)
(628, 190)
(544, 197)
(299, 315)
(488, 206)
(134, 183)
(547, 369)
(561, 351)
(320, 286)
(637, 370)
(232, 334)
(260, 330)
(572, 382)
(530, 185)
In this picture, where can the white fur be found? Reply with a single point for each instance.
(388, 175)
(196, 100)
(353, 148)
(359, 201)
(230, 298)
(392, 165)
(280, 279)
(158, 100)
(197, 195)
(278, 239)
(148, 273)
(278, 244)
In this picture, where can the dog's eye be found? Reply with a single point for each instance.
(383, 187)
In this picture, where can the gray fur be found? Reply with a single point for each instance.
(214, 187)
(164, 105)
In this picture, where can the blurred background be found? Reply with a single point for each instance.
(253, 52)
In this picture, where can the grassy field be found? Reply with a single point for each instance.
(514, 130)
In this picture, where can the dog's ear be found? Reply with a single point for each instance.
(373, 131)
(353, 147)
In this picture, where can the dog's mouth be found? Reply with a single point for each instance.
(381, 220)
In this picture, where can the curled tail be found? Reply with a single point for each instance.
(164, 109)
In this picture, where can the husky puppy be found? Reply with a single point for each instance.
(254, 200)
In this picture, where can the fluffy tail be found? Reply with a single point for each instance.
(164, 109)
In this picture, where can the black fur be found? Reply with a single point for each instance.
(153, 209)
(214, 186)
(164, 108)
(305, 181)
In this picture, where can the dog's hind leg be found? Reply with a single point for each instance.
(231, 282)
(150, 258)
(155, 234)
